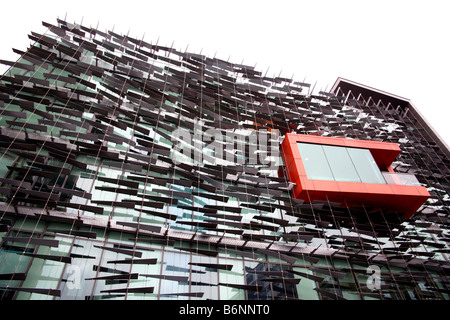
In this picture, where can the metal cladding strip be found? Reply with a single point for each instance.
(50, 292)
(41, 242)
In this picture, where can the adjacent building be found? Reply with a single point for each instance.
(131, 170)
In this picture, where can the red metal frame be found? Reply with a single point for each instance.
(402, 199)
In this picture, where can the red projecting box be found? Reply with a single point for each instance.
(351, 172)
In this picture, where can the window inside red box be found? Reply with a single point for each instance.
(338, 163)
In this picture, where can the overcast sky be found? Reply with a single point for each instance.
(401, 47)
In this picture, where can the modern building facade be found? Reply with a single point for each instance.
(131, 170)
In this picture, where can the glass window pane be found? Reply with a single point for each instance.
(315, 162)
(341, 164)
(365, 165)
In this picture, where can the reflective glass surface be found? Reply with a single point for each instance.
(365, 165)
(340, 164)
(315, 162)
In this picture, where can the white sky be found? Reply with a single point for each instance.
(401, 47)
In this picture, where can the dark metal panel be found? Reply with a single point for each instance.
(242, 286)
(121, 251)
(38, 241)
(134, 261)
(50, 292)
(130, 290)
